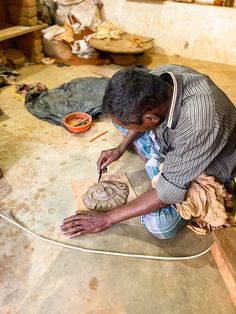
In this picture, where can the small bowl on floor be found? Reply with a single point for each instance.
(48, 61)
(77, 122)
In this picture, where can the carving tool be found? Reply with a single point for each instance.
(97, 136)
(82, 122)
(100, 175)
(77, 122)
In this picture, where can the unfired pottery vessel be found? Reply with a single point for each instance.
(106, 195)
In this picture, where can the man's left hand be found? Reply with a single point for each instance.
(83, 223)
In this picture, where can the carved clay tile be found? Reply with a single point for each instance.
(106, 195)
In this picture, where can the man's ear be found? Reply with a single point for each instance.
(150, 117)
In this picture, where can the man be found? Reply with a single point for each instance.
(176, 117)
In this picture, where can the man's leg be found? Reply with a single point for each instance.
(166, 222)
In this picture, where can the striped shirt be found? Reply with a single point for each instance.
(199, 134)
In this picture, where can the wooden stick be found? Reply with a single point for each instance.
(81, 121)
(97, 136)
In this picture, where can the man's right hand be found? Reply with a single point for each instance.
(110, 155)
(107, 157)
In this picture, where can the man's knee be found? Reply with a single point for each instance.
(162, 236)
(164, 224)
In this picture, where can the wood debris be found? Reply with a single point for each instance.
(135, 41)
(107, 31)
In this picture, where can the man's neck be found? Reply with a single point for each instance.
(163, 111)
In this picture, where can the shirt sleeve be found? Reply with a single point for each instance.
(191, 156)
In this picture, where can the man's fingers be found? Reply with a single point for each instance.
(77, 231)
(107, 157)
(77, 234)
(73, 230)
(100, 161)
(74, 223)
(71, 225)
(71, 218)
(107, 162)
(77, 217)
(83, 223)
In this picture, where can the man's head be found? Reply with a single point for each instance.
(137, 99)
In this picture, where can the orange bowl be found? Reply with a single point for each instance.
(77, 122)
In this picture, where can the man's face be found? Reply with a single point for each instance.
(148, 123)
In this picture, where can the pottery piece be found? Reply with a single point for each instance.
(106, 195)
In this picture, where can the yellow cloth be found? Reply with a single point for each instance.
(205, 203)
(15, 94)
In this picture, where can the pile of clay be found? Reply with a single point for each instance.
(106, 195)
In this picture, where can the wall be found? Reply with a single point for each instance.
(188, 30)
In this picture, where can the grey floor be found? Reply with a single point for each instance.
(40, 161)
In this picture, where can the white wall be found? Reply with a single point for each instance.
(188, 30)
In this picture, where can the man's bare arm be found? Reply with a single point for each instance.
(146, 203)
(93, 222)
(108, 156)
(129, 139)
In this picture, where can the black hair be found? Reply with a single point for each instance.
(130, 93)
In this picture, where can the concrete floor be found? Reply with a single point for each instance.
(40, 161)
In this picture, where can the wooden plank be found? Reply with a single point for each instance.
(17, 30)
(229, 280)
(226, 242)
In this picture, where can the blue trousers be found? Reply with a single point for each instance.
(166, 222)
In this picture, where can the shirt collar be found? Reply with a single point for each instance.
(174, 112)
